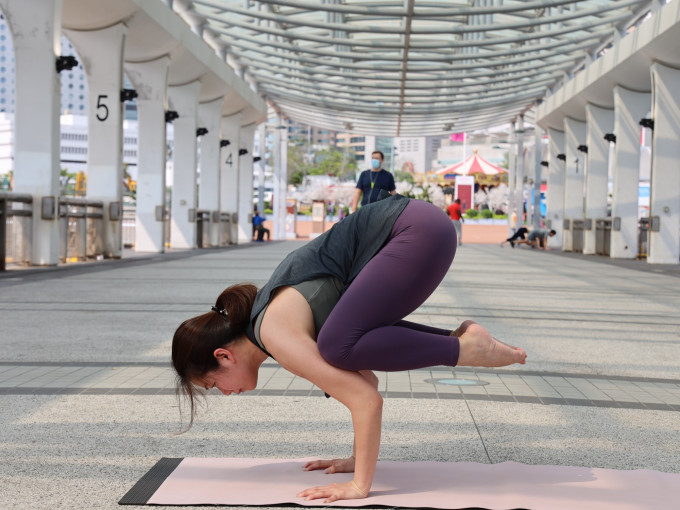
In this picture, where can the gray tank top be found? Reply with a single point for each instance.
(322, 294)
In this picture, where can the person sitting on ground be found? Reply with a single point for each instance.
(331, 313)
(259, 228)
(537, 238)
(520, 233)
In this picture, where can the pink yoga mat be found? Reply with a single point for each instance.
(224, 481)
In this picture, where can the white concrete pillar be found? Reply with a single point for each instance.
(150, 79)
(229, 161)
(36, 30)
(538, 177)
(280, 179)
(369, 147)
(574, 176)
(664, 241)
(102, 54)
(245, 184)
(629, 108)
(512, 182)
(599, 121)
(209, 115)
(262, 152)
(519, 172)
(555, 192)
(184, 100)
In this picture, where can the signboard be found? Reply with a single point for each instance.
(465, 190)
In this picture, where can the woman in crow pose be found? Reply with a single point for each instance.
(332, 312)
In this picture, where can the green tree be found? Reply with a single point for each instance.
(334, 162)
(298, 166)
(403, 176)
(67, 182)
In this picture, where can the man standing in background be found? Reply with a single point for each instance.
(456, 215)
(372, 181)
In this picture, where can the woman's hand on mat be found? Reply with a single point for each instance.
(331, 466)
(334, 492)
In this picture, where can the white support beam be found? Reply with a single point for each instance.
(664, 241)
(599, 121)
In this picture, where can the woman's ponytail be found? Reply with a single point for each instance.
(237, 301)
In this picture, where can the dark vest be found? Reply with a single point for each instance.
(342, 252)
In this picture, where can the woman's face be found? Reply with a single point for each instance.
(234, 375)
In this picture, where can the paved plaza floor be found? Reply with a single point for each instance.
(87, 395)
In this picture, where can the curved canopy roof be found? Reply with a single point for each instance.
(474, 164)
(409, 67)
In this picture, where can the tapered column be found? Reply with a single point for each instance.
(229, 162)
(519, 173)
(102, 54)
(245, 184)
(209, 163)
(280, 179)
(262, 151)
(574, 176)
(184, 100)
(150, 80)
(512, 182)
(664, 237)
(555, 194)
(629, 108)
(599, 121)
(538, 177)
(36, 30)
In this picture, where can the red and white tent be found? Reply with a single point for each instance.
(475, 164)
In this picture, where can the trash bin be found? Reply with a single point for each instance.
(603, 229)
(225, 229)
(202, 229)
(643, 238)
(577, 228)
(233, 231)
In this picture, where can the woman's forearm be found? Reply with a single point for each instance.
(367, 421)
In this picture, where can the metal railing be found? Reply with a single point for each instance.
(16, 228)
(129, 227)
(80, 229)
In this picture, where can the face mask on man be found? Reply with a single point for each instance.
(375, 163)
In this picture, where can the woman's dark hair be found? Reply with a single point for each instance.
(196, 339)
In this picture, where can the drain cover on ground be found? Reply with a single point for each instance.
(458, 382)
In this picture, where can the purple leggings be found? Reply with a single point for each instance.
(365, 330)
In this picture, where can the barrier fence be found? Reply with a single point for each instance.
(16, 229)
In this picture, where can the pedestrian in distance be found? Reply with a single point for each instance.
(520, 233)
(259, 228)
(372, 182)
(456, 214)
(537, 238)
(332, 312)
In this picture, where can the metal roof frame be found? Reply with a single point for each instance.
(392, 67)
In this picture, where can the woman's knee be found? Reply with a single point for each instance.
(334, 350)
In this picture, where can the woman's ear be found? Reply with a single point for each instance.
(222, 354)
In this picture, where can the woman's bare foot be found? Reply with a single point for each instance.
(462, 328)
(479, 349)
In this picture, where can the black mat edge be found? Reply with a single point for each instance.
(150, 482)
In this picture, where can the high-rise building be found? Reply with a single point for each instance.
(73, 82)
